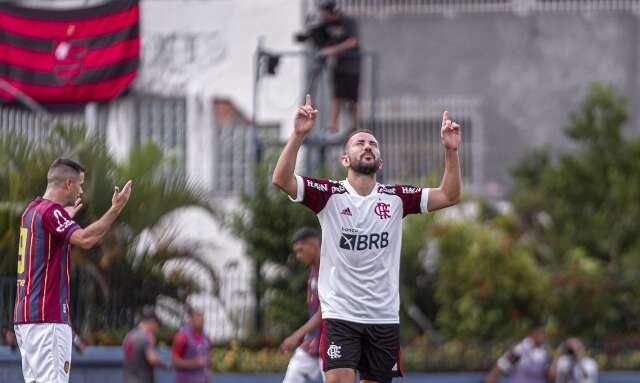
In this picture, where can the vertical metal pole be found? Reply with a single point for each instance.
(254, 114)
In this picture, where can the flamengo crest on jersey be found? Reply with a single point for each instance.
(361, 241)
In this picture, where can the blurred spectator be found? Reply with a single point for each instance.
(140, 356)
(342, 43)
(572, 364)
(527, 362)
(190, 351)
(8, 338)
(78, 343)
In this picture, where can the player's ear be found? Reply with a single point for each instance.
(344, 160)
(68, 182)
(381, 164)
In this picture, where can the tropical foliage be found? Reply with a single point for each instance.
(107, 280)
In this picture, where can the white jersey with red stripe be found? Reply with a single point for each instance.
(361, 242)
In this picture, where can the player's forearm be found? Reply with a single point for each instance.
(452, 180)
(349, 43)
(154, 360)
(493, 376)
(312, 323)
(185, 363)
(284, 172)
(95, 231)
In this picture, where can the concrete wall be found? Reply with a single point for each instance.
(528, 71)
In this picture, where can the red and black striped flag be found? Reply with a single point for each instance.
(69, 56)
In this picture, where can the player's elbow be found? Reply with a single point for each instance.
(82, 240)
(85, 244)
(278, 181)
(454, 199)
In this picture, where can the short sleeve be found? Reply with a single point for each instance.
(590, 368)
(313, 193)
(505, 362)
(563, 365)
(414, 199)
(179, 343)
(57, 221)
(145, 343)
(351, 28)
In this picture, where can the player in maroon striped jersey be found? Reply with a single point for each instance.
(47, 232)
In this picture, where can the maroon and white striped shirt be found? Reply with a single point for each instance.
(44, 263)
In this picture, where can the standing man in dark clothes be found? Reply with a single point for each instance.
(342, 43)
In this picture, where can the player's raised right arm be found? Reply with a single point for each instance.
(284, 173)
(86, 238)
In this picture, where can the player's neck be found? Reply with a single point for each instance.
(54, 195)
(363, 184)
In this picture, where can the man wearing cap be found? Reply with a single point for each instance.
(305, 362)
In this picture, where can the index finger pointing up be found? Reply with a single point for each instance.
(445, 117)
(308, 100)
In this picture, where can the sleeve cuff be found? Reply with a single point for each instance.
(73, 228)
(300, 191)
(424, 200)
(503, 364)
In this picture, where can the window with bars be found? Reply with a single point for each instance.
(162, 120)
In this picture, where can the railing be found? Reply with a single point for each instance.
(425, 7)
(409, 133)
(408, 130)
(228, 312)
(36, 126)
(162, 120)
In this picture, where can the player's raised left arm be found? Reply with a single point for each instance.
(283, 174)
(448, 193)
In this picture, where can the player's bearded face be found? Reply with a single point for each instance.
(362, 154)
(364, 163)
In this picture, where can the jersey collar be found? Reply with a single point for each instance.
(353, 191)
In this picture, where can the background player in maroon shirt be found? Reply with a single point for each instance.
(190, 351)
(305, 362)
(47, 231)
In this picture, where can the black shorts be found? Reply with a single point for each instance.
(372, 349)
(346, 85)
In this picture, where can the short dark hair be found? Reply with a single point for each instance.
(304, 234)
(192, 310)
(346, 140)
(328, 6)
(62, 168)
(149, 314)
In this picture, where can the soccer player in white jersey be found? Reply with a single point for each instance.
(361, 238)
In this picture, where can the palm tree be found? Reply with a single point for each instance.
(114, 280)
